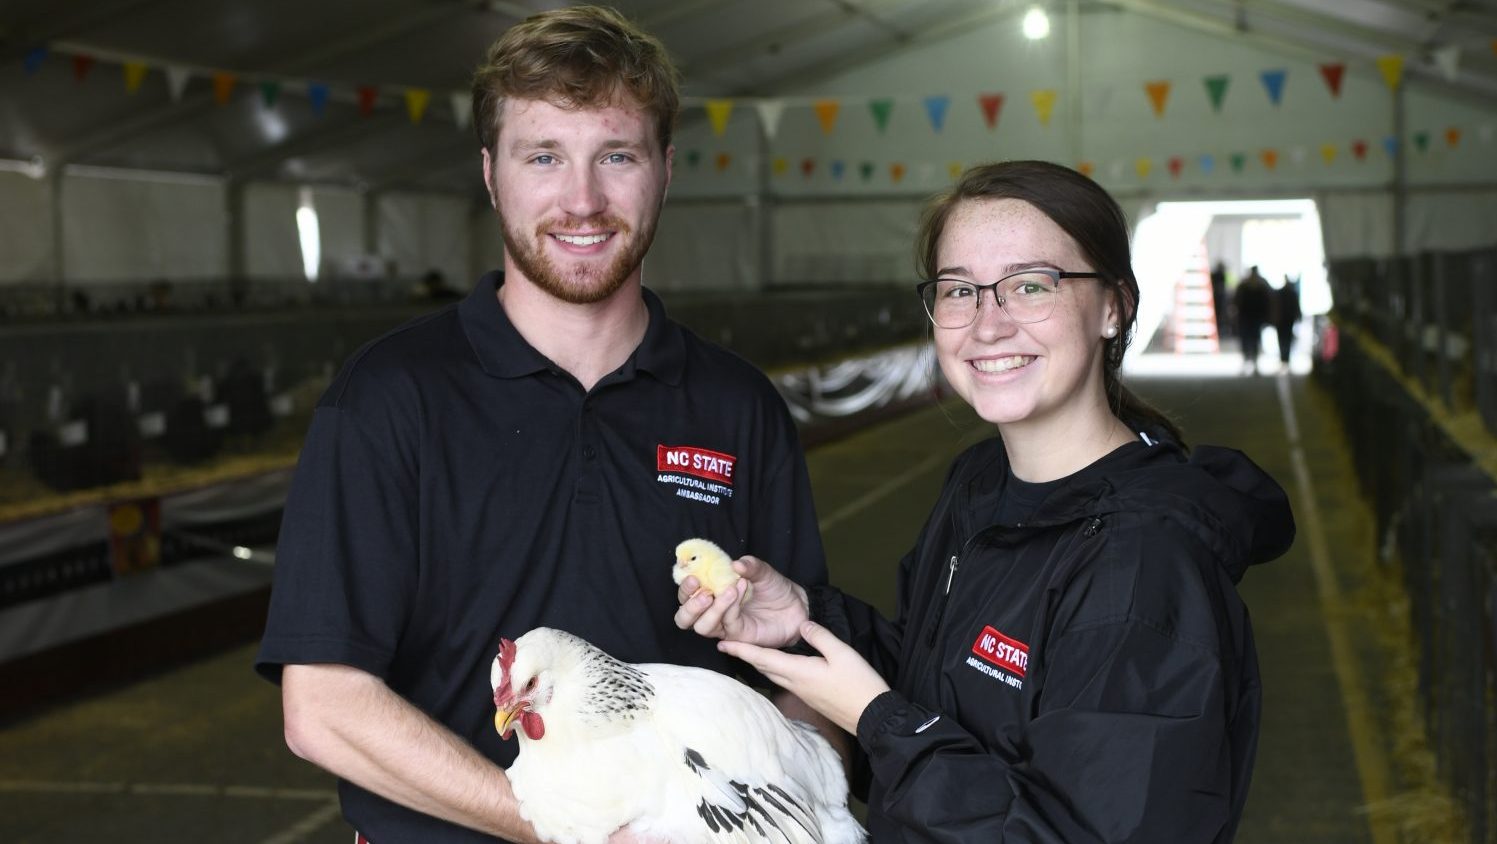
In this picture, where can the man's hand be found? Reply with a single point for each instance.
(771, 617)
(839, 684)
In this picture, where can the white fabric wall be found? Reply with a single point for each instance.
(340, 221)
(421, 232)
(854, 241)
(1357, 224)
(705, 246)
(272, 244)
(25, 229)
(118, 229)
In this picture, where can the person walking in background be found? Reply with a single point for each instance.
(1286, 315)
(1219, 301)
(1070, 607)
(1252, 302)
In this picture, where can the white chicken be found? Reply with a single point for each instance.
(675, 753)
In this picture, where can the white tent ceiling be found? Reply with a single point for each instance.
(64, 101)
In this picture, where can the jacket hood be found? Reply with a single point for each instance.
(1217, 494)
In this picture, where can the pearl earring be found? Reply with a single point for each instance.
(1112, 331)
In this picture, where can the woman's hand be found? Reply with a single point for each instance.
(772, 615)
(839, 684)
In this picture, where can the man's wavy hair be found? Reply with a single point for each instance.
(576, 57)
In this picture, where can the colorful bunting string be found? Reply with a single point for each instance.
(1391, 67)
(1216, 89)
(935, 110)
(826, 114)
(770, 112)
(718, 112)
(1044, 104)
(881, 109)
(1273, 83)
(990, 104)
(1332, 74)
(1159, 93)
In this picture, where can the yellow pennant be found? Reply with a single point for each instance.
(780, 166)
(826, 112)
(1159, 93)
(954, 170)
(1328, 152)
(135, 73)
(1143, 166)
(416, 100)
(1391, 66)
(718, 112)
(1044, 104)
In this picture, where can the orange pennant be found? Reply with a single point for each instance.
(826, 112)
(223, 86)
(723, 160)
(896, 172)
(1270, 158)
(1453, 136)
(1159, 92)
(1086, 168)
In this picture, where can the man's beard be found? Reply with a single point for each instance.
(586, 283)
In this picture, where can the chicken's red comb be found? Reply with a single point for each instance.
(502, 692)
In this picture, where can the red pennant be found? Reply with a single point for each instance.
(1175, 165)
(223, 87)
(367, 95)
(990, 104)
(1453, 136)
(1086, 168)
(807, 166)
(1332, 74)
(723, 160)
(81, 66)
(1359, 149)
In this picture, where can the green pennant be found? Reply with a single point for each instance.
(1216, 89)
(693, 157)
(269, 91)
(1421, 141)
(1238, 160)
(866, 170)
(881, 110)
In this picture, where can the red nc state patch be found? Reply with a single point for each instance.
(699, 462)
(1009, 654)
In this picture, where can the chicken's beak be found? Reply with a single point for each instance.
(506, 716)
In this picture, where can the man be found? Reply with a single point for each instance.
(527, 457)
(1252, 301)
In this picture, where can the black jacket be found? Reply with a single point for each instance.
(1086, 676)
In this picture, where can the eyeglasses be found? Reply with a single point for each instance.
(1026, 297)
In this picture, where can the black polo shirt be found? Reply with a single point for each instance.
(457, 486)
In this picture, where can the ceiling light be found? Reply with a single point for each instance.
(1036, 24)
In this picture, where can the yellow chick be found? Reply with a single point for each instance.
(710, 564)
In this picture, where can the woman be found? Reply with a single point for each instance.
(1071, 661)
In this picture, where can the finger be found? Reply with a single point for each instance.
(710, 623)
(689, 587)
(691, 610)
(774, 664)
(751, 567)
(823, 640)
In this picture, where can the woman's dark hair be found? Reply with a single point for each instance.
(1093, 219)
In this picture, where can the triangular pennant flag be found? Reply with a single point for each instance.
(881, 110)
(1448, 60)
(826, 113)
(1238, 160)
(462, 108)
(838, 168)
(270, 91)
(935, 109)
(1332, 74)
(722, 162)
(718, 112)
(1494, 46)
(1270, 158)
(176, 81)
(317, 96)
(1359, 149)
(223, 86)
(135, 73)
(1390, 145)
(1452, 136)
(1175, 165)
(954, 170)
(693, 157)
(807, 166)
(896, 172)
(368, 95)
(1044, 104)
(1391, 67)
(1159, 94)
(33, 60)
(1207, 163)
(1115, 169)
(82, 64)
(1328, 152)
(1142, 166)
(416, 100)
(990, 104)
(866, 170)
(769, 115)
(1086, 168)
(925, 172)
(1216, 89)
(780, 166)
(1298, 155)
(1421, 141)
(1273, 82)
